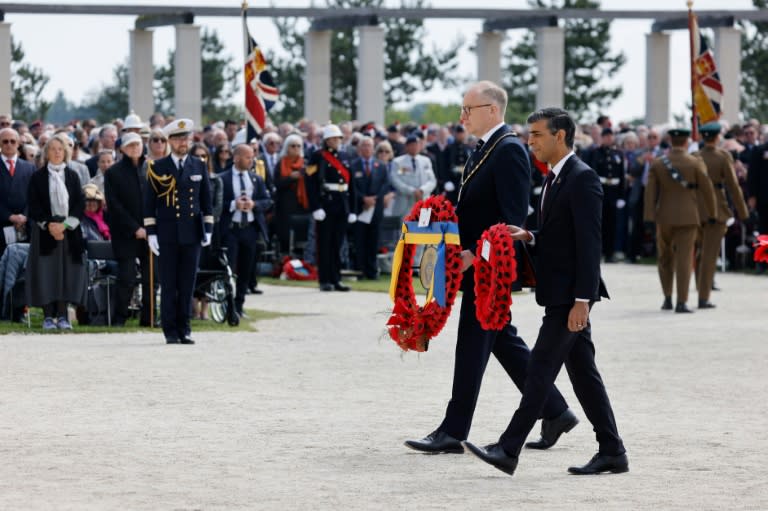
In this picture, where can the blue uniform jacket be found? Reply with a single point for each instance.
(178, 208)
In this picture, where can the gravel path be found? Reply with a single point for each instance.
(311, 411)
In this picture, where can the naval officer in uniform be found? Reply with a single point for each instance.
(179, 220)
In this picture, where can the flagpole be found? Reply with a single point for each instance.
(691, 35)
(245, 59)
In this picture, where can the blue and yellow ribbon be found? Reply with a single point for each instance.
(436, 233)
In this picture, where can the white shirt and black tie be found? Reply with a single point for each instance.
(241, 185)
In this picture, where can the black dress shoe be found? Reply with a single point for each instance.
(257, 291)
(171, 340)
(435, 443)
(493, 455)
(326, 287)
(186, 340)
(602, 463)
(706, 304)
(667, 305)
(681, 307)
(340, 287)
(551, 429)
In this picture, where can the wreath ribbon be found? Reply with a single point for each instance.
(436, 233)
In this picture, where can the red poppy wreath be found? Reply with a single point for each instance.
(302, 271)
(761, 249)
(495, 272)
(410, 325)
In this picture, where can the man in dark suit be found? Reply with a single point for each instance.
(494, 189)
(178, 219)
(371, 182)
(568, 247)
(124, 188)
(242, 220)
(14, 182)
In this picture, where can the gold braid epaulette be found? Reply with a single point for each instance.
(162, 185)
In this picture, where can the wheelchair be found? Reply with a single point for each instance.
(216, 282)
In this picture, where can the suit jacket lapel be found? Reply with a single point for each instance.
(557, 185)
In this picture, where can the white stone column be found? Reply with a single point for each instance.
(141, 73)
(370, 74)
(728, 57)
(188, 80)
(489, 56)
(5, 65)
(317, 80)
(550, 57)
(657, 78)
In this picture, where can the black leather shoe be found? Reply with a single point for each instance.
(667, 305)
(171, 340)
(257, 291)
(681, 307)
(435, 443)
(706, 304)
(186, 340)
(340, 287)
(326, 287)
(601, 463)
(552, 429)
(493, 455)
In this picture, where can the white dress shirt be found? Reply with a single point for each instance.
(237, 214)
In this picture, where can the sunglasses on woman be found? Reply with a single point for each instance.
(156, 140)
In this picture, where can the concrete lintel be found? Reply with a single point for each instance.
(164, 20)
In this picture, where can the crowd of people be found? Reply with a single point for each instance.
(321, 193)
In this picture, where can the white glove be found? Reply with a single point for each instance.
(154, 246)
(207, 240)
(319, 214)
(351, 218)
(620, 203)
(449, 186)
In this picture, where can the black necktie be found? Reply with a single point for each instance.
(413, 162)
(479, 145)
(181, 166)
(367, 168)
(545, 190)
(243, 191)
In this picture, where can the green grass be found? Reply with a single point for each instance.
(377, 286)
(132, 325)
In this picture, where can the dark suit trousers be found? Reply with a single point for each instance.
(473, 349)
(330, 236)
(609, 224)
(242, 248)
(126, 281)
(178, 271)
(557, 345)
(366, 247)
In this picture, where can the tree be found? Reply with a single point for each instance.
(221, 80)
(409, 66)
(111, 101)
(27, 84)
(754, 66)
(589, 63)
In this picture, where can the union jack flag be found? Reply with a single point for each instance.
(260, 91)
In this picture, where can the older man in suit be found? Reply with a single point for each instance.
(124, 187)
(246, 199)
(178, 219)
(568, 247)
(14, 181)
(371, 182)
(494, 189)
